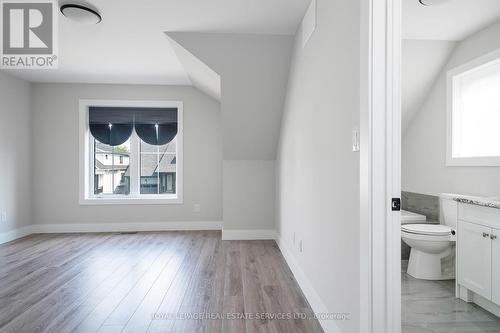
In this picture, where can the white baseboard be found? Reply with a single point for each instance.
(310, 293)
(126, 227)
(258, 234)
(11, 235)
(107, 227)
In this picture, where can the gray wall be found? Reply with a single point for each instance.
(55, 155)
(249, 194)
(427, 205)
(424, 167)
(15, 152)
(318, 192)
(254, 73)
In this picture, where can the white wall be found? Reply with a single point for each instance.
(55, 156)
(254, 73)
(318, 189)
(424, 167)
(15, 153)
(423, 61)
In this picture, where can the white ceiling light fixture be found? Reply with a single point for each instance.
(432, 2)
(81, 13)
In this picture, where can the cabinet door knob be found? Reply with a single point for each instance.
(493, 237)
(485, 234)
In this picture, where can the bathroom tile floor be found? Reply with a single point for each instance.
(431, 306)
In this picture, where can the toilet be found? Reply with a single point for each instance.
(432, 255)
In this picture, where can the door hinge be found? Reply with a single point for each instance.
(396, 204)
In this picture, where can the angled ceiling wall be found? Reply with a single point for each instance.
(201, 76)
(254, 75)
(422, 62)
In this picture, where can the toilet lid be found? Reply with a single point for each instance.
(427, 229)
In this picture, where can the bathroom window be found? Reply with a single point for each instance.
(131, 152)
(474, 113)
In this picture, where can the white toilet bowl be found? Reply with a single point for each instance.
(432, 253)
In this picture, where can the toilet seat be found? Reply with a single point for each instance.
(427, 229)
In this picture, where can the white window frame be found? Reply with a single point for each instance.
(86, 146)
(452, 91)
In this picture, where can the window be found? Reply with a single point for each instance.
(158, 164)
(111, 177)
(474, 113)
(131, 152)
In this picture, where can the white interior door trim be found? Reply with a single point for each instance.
(380, 167)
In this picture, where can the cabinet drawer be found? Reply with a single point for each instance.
(479, 215)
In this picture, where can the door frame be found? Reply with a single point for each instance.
(380, 166)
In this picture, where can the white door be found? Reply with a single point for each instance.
(495, 266)
(474, 258)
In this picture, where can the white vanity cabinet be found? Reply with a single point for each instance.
(474, 258)
(478, 256)
(495, 268)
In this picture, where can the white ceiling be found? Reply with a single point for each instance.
(452, 20)
(129, 45)
(430, 35)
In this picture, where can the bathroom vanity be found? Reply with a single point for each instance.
(478, 252)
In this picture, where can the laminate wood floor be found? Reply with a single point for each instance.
(148, 282)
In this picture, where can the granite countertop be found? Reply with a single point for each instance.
(479, 201)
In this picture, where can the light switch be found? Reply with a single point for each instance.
(355, 139)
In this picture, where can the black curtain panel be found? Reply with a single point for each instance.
(156, 126)
(113, 125)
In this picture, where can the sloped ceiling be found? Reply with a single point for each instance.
(422, 62)
(450, 20)
(202, 77)
(253, 73)
(430, 34)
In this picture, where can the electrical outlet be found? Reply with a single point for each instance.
(197, 208)
(301, 249)
(3, 217)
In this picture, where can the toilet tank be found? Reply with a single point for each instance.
(448, 210)
(412, 218)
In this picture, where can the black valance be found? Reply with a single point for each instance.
(113, 125)
(156, 126)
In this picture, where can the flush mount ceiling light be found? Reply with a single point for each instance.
(81, 13)
(432, 2)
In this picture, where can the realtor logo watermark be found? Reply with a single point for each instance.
(29, 34)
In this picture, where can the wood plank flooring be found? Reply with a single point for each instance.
(148, 282)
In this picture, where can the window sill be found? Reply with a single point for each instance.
(149, 200)
(493, 161)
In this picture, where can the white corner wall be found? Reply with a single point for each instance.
(15, 157)
(318, 191)
(423, 61)
(254, 72)
(249, 200)
(424, 167)
(55, 160)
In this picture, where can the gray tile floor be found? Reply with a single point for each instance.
(431, 306)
